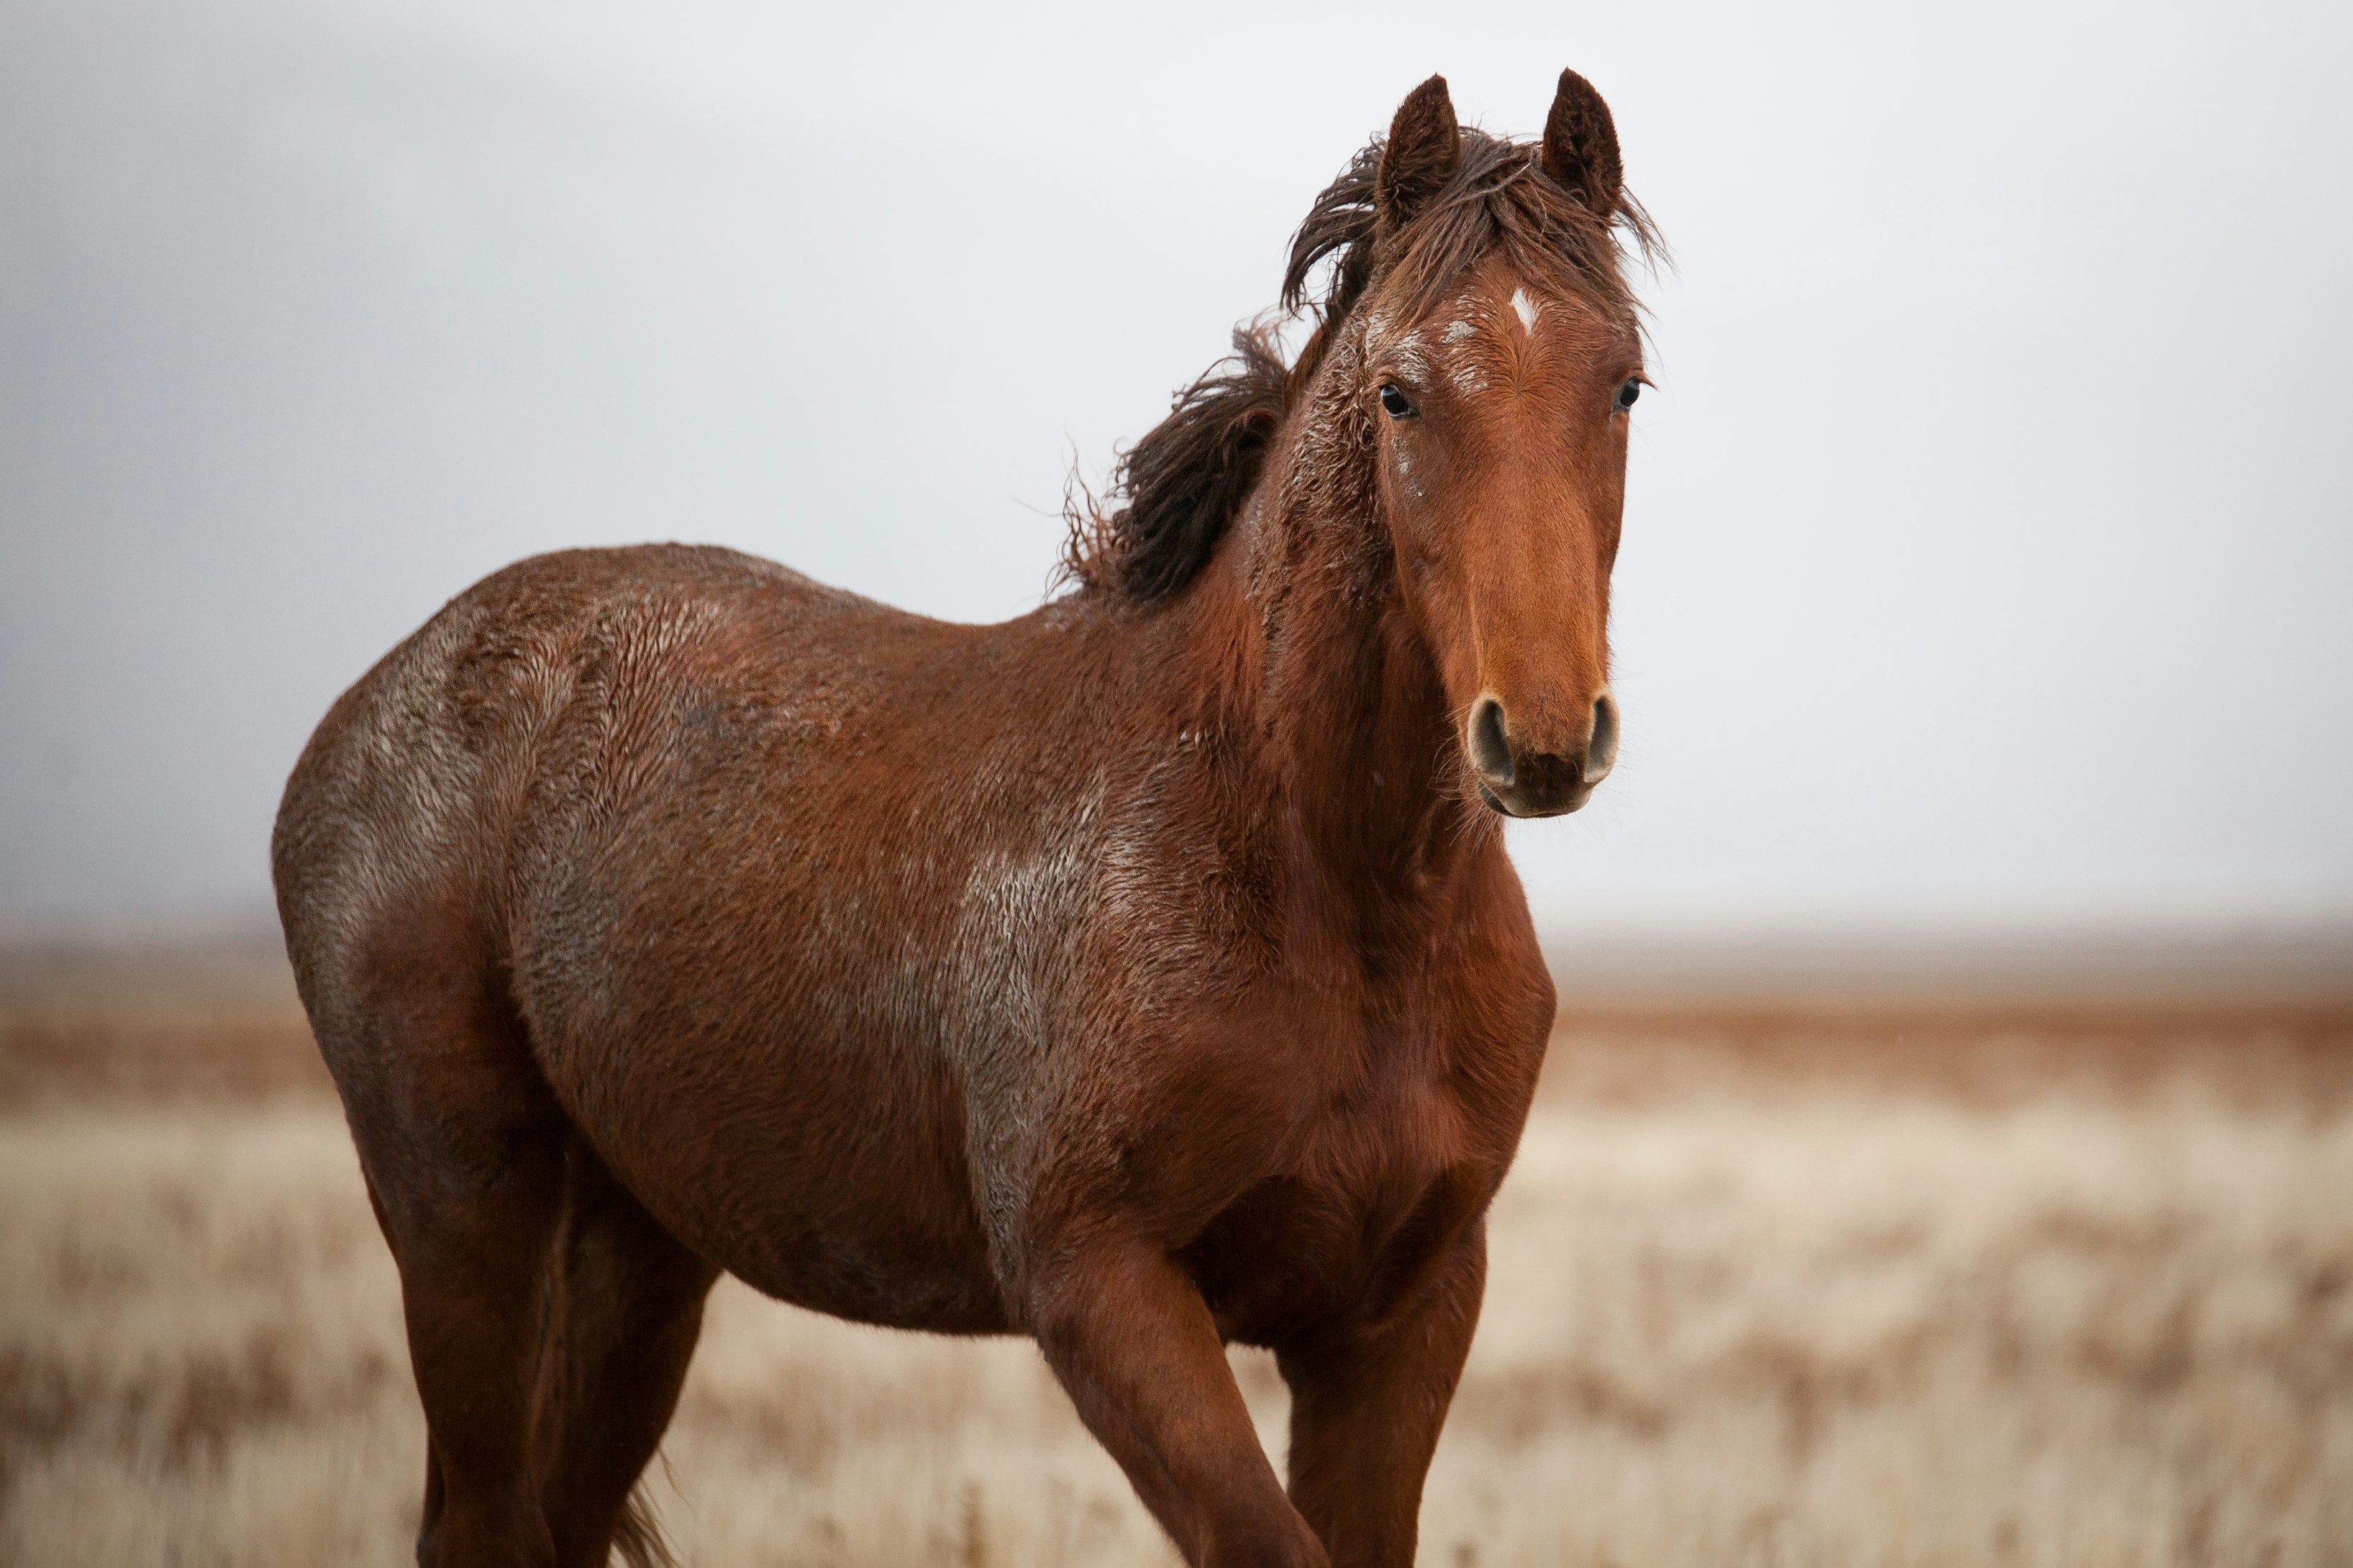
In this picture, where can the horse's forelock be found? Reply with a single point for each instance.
(1184, 482)
(1499, 198)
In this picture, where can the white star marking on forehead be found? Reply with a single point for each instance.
(1525, 309)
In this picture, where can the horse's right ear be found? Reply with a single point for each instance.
(1424, 147)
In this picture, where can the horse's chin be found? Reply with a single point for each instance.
(1521, 808)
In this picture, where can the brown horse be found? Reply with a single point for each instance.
(1140, 975)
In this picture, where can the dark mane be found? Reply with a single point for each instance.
(1172, 495)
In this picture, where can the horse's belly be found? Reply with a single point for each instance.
(842, 1191)
(894, 1281)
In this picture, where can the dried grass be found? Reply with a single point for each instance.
(1739, 1314)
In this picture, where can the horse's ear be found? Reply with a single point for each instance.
(1420, 155)
(1580, 146)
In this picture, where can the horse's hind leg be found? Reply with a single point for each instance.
(463, 1146)
(629, 1307)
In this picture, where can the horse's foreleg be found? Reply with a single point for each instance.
(1133, 1341)
(1365, 1407)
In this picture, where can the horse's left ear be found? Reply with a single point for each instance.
(1424, 147)
(1580, 146)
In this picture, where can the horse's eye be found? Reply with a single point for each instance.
(1627, 393)
(1400, 406)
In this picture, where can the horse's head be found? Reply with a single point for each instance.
(1500, 356)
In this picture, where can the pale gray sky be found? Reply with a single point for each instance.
(1990, 548)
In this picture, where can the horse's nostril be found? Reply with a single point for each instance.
(1490, 753)
(1601, 751)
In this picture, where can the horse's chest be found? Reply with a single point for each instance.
(1378, 1188)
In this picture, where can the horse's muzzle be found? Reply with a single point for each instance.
(1521, 780)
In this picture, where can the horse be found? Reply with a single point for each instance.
(1143, 974)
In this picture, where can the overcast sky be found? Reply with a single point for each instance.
(1989, 541)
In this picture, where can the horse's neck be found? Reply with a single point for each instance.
(1351, 735)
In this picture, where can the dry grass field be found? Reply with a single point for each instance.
(1819, 1286)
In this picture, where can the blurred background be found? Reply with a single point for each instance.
(1987, 546)
(1954, 1095)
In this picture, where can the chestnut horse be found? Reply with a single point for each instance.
(1140, 975)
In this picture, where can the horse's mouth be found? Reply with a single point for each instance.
(1574, 799)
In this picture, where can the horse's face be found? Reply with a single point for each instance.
(1501, 431)
(1501, 423)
